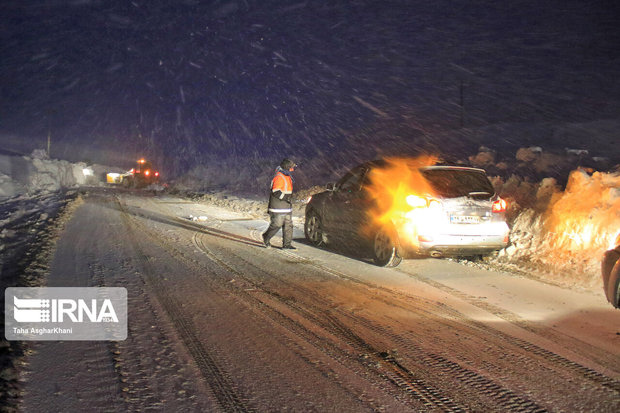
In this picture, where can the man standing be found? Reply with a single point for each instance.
(280, 205)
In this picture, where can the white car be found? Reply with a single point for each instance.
(458, 213)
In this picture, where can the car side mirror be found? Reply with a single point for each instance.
(330, 186)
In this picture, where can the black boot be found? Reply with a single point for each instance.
(266, 242)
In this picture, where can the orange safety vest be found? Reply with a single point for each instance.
(282, 183)
(281, 203)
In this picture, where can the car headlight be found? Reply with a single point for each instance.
(416, 201)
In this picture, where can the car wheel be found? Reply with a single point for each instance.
(385, 249)
(613, 285)
(313, 229)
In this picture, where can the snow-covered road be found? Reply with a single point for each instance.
(218, 323)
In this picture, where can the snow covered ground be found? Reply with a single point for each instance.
(558, 235)
(219, 323)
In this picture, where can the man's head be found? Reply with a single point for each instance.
(287, 164)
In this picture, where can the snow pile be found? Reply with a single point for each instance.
(36, 173)
(564, 233)
(9, 187)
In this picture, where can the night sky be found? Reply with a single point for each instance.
(185, 80)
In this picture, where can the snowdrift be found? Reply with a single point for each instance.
(33, 174)
(565, 233)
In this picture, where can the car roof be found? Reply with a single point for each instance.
(453, 168)
(380, 163)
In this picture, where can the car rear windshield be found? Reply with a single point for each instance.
(454, 183)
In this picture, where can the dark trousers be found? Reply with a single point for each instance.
(284, 221)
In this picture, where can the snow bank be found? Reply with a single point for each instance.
(9, 188)
(32, 174)
(563, 234)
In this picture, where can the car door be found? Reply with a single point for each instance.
(346, 207)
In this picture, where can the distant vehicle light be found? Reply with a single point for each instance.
(416, 201)
(141, 161)
(147, 172)
(156, 173)
(113, 178)
(132, 171)
(499, 205)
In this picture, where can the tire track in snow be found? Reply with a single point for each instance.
(250, 291)
(405, 379)
(307, 334)
(502, 396)
(217, 379)
(398, 375)
(396, 372)
(547, 355)
(544, 354)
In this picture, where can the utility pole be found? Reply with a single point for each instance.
(462, 104)
(50, 113)
(462, 89)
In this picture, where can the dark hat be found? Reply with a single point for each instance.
(287, 164)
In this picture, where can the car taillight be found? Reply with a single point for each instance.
(499, 205)
(147, 172)
(156, 173)
(132, 171)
